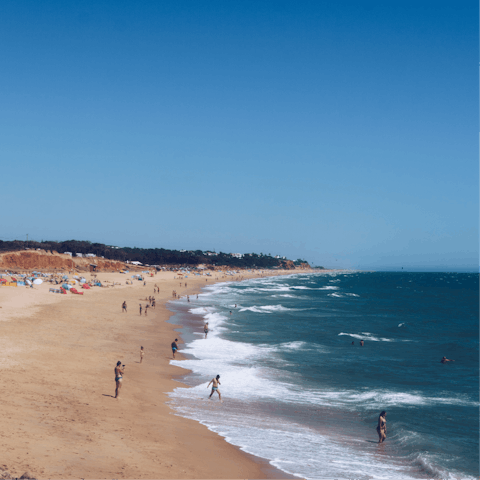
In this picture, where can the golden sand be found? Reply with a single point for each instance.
(59, 415)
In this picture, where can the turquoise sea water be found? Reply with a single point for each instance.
(297, 392)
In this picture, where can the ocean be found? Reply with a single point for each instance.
(298, 393)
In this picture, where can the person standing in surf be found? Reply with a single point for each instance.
(216, 382)
(205, 329)
(382, 427)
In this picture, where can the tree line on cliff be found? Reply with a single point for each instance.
(153, 256)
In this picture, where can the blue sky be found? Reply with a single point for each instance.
(342, 132)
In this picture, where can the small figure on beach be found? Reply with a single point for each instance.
(205, 329)
(382, 427)
(144, 283)
(362, 343)
(124, 307)
(174, 347)
(142, 353)
(118, 378)
(146, 309)
(216, 382)
(188, 298)
(140, 308)
(445, 360)
(153, 304)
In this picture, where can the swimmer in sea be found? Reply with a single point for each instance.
(205, 329)
(118, 378)
(142, 353)
(216, 383)
(445, 360)
(361, 343)
(382, 427)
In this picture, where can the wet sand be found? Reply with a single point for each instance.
(60, 417)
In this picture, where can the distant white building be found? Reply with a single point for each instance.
(67, 253)
(90, 255)
(211, 254)
(236, 255)
(79, 254)
(136, 263)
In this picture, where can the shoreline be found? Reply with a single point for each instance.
(57, 367)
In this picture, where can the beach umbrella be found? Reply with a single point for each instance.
(38, 281)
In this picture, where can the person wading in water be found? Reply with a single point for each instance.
(216, 382)
(382, 427)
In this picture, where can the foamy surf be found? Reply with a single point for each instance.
(293, 376)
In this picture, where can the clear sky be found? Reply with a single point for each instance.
(342, 132)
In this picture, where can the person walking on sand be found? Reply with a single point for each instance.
(216, 382)
(205, 329)
(140, 308)
(118, 378)
(124, 307)
(382, 427)
(146, 309)
(174, 347)
(142, 353)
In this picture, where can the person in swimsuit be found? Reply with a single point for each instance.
(205, 329)
(216, 382)
(140, 308)
(382, 427)
(142, 353)
(118, 378)
(174, 347)
(146, 309)
(361, 343)
(124, 307)
(445, 360)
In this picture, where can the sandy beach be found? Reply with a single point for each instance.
(60, 417)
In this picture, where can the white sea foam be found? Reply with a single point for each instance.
(267, 309)
(369, 337)
(329, 287)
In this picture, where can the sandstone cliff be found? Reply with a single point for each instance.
(46, 260)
